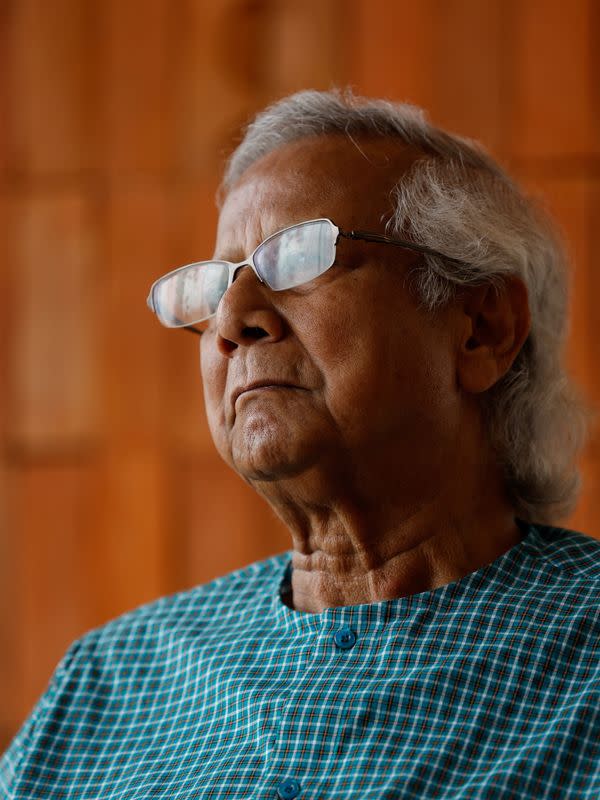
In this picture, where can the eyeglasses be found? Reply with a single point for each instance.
(190, 295)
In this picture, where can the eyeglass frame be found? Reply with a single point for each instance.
(357, 235)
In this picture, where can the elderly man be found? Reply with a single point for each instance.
(382, 323)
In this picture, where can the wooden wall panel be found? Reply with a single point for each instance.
(210, 93)
(395, 59)
(52, 85)
(51, 566)
(554, 74)
(469, 54)
(128, 530)
(234, 56)
(5, 75)
(7, 315)
(11, 712)
(218, 515)
(300, 52)
(133, 256)
(53, 365)
(593, 288)
(451, 61)
(136, 91)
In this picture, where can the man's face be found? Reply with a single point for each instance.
(362, 378)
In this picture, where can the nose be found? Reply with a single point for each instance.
(246, 315)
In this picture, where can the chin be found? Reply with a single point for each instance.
(263, 457)
(263, 445)
(262, 467)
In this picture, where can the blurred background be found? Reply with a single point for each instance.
(115, 119)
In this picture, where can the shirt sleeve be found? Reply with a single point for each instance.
(12, 759)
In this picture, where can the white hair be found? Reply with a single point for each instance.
(456, 199)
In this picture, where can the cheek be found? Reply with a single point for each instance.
(383, 371)
(344, 350)
(213, 369)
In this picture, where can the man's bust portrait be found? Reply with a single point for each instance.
(381, 329)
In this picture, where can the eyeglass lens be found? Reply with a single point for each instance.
(296, 255)
(289, 258)
(192, 294)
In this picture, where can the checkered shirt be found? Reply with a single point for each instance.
(488, 687)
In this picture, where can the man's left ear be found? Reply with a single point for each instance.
(496, 323)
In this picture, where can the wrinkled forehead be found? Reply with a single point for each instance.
(349, 181)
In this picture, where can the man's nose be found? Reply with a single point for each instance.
(246, 314)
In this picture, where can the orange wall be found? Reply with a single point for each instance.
(114, 120)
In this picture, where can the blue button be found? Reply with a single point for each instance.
(345, 638)
(288, 789)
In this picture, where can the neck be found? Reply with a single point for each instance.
(360, 541)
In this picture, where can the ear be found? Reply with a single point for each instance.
(495, 324)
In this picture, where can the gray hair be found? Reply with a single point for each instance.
(457, 199)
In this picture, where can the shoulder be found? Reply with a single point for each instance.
(559, 569)
(152, 638)
(241, 592)
(568, 553)
(107, 670)
(151, 642)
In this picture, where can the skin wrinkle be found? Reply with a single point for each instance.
(378, 464)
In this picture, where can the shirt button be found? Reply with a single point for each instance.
(345, 638)
(288, 789)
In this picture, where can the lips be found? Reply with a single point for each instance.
(259, 385)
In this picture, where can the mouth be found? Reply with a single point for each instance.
(260, 386)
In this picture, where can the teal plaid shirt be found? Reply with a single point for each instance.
(488, 687)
